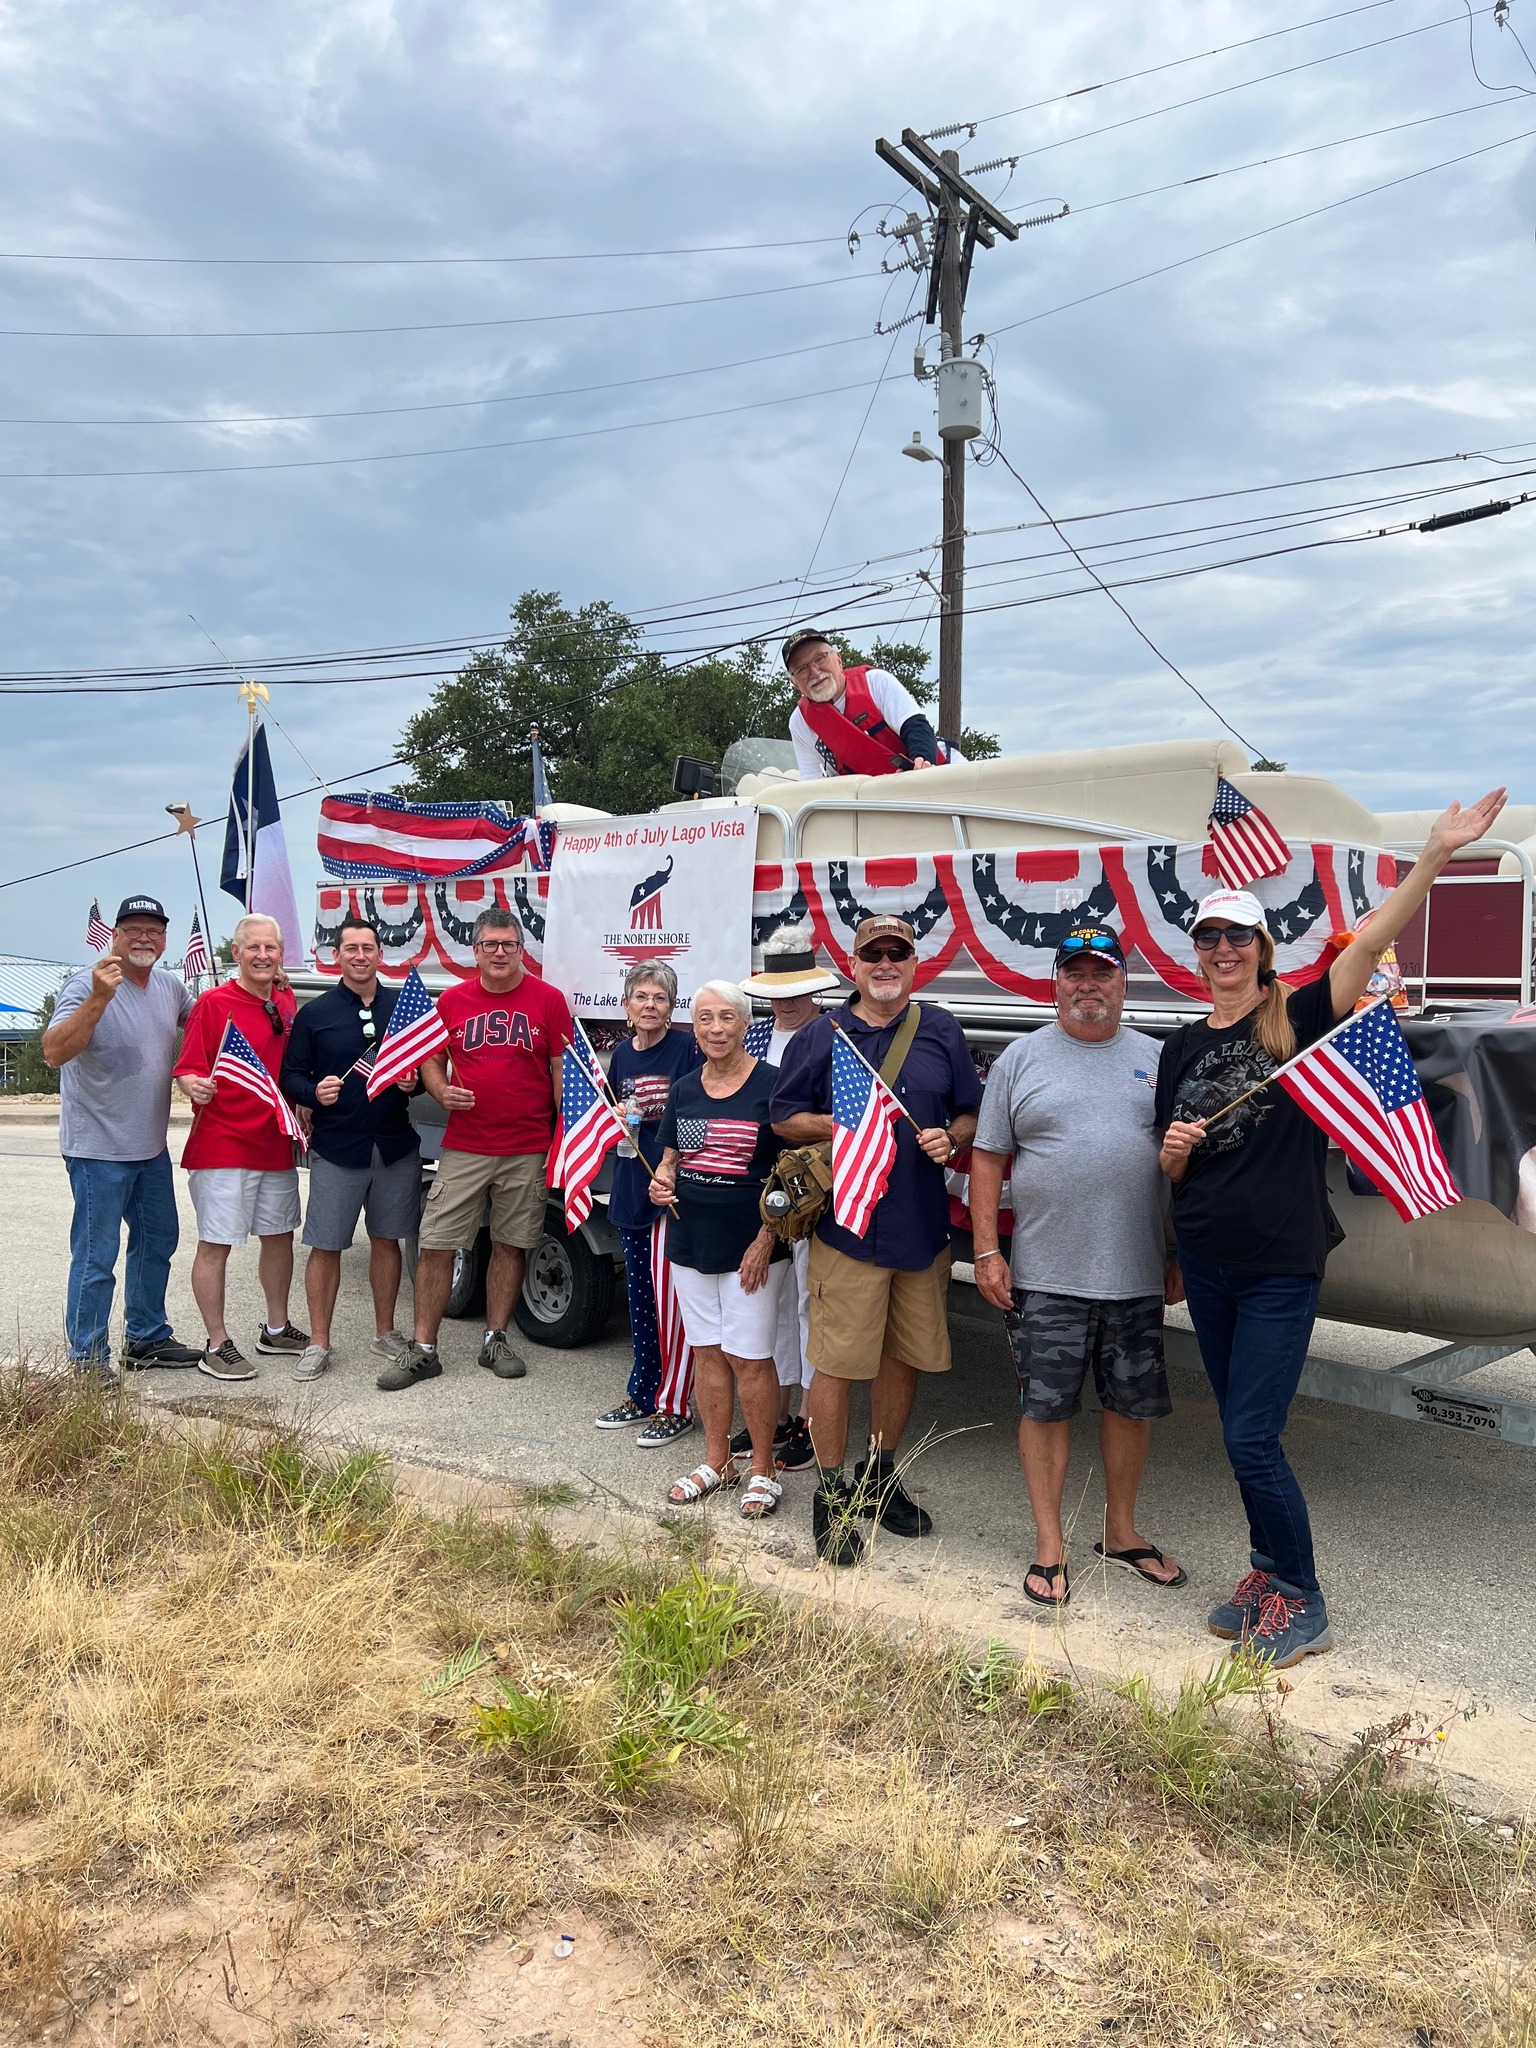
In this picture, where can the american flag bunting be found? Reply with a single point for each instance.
(366, 836)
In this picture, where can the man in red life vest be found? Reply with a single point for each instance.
(853, 721)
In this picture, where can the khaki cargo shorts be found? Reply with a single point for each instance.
(455, 1206)
(861, 1312)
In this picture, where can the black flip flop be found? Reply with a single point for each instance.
(1050, 1573)
(1133, 1560)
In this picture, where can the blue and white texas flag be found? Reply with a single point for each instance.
(269, 890)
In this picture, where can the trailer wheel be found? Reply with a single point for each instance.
(567, 1292)
(467, 1296)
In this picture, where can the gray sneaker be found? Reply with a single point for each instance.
(225, 1362)
(288, 1343)
(497, 1356)
(392, 1346)
(1290, 1625)
(1234, 1617)
(413, 1365)
(312, 1362)
(662, 1430)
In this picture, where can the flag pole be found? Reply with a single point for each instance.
(1259, 1087)
(847, 1040)
(250, 694)
(185, 822)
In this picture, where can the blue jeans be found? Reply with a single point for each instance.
(108, 1193)
(1253, 1330)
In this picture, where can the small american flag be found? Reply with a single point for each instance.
(1358, 1085)
(414, 1032)
(864, 1116)
(676, 1385)
(716, 1144)
(1245, 844)
(759, 1037)
(98, 932)
(238, 1062)
(196, 961)
(588, 1131)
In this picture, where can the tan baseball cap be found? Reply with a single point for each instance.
(884, 928)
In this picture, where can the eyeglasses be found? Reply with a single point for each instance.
(895, 951)
(1210, 936)
(1089, 942)
(500, 945)
(275, 1018)
(365, 1018)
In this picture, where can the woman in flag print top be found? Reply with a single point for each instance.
(1250, 1211)
(641, 1072)
(241, 1173)
(717, 1149)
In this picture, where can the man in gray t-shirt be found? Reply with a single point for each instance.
(113, 1037)
(1069, 1110)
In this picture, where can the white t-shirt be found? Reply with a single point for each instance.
(896, 705)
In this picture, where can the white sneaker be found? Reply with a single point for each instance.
(392, 1346)
(311, 1362)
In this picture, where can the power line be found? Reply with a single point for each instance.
(372, 412)
(404, 262)
(770, 291)
(425, 454)
(1174, 63)
(1257, 234)
(159, 839)
(1242, 85)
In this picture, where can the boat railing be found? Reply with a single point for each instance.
(1469, 954)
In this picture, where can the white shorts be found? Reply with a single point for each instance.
(792, 1338)
(233, 1203)
(716, 1311)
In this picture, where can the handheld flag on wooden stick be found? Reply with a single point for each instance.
(589, 1129)
(864, 1116)
(98, 932)
(1244, 844)
(196, 961)
(414, 1032)
(239, 1063)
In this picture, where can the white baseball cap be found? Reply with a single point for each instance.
(1230, 906)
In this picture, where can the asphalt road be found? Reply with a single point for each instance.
(1426, 1538)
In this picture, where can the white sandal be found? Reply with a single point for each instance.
(702, 1480)
(761, 1497)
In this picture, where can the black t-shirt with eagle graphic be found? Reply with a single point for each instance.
(726, 1149)
(1254, 1194)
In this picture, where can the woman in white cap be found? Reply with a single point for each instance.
(791, 979)
(1250, 1210)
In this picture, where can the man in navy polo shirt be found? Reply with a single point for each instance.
(364, 1157)
(879, 1302)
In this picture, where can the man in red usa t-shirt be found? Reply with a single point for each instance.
(499, 1082)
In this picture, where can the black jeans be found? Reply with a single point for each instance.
(1254, 1329)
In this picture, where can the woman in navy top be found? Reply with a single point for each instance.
(641, 1072)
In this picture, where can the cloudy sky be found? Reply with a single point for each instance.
(1385, 331)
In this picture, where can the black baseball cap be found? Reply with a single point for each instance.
(1096, 940)
(801, 637)
(141, 906)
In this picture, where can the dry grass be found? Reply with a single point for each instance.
(231, 1660)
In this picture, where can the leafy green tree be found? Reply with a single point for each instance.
(29, 1072)
(908, 663)
(611, 716)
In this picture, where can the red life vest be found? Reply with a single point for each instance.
(854, 733)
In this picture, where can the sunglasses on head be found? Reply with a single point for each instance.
(1089, 942)
(365, 1018)
(1210, 936)
(275, 1018)
(892, 949)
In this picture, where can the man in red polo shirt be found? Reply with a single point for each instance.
(506, 1032)
(239, 1162)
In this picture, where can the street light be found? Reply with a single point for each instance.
(918, 452)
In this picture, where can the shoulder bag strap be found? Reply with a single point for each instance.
(901, 1045)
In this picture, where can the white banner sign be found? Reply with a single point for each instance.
(673, 886)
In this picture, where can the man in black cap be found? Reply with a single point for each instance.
(1071, 1107)
(113, 1038)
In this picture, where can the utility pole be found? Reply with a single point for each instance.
(960, 217)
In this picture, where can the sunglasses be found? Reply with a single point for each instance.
(1089, 942)
(895, 951)
(1210, 936)
(275, 1018)
(365, 1018)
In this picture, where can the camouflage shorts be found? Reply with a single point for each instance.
(1055, 1338)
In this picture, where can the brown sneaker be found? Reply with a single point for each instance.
(225, 1362)
(288, 1343)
